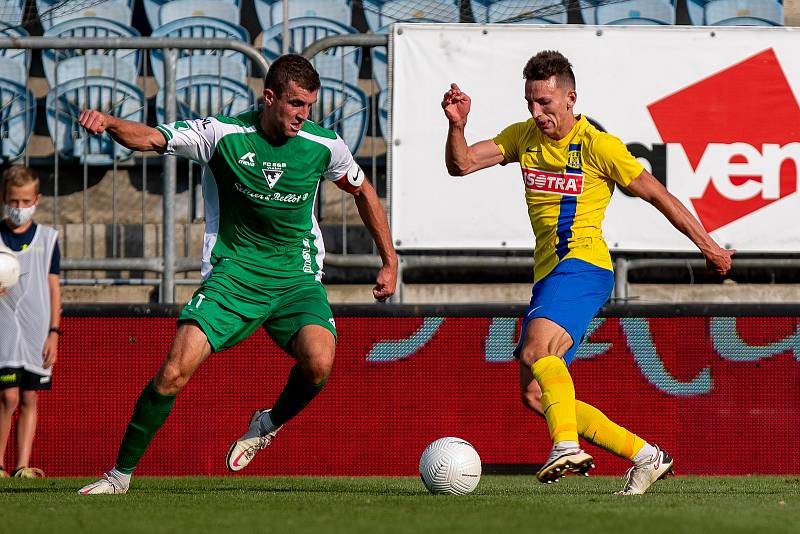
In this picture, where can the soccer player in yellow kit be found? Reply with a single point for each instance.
(569, 171)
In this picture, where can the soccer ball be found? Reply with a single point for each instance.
(450, 466)
(9, 268)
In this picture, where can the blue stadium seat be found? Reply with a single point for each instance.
(270, 12)
(206, 95)
(64, 104)
(519, 11)
(744, 13)
(152, 7)
(19, 54)
(180, 9)
(336, 67)
(53, 12)
(87, 27)
(11, 12)
(379, 13)
(199, 28)
(379, 65)
(17, 109)
(636, 12)
(383, 114)
(343, 108)
(305, 30)
(95, 65)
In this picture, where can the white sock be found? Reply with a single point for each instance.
(265, 424)
(125, 478)
(567, 445)
(645, 453)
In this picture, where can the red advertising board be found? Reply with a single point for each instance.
(722, 395)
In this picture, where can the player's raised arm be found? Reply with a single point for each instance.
(371, 212)
(129, 134)
(646, 187)
(460, 158)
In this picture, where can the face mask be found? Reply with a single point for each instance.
(18, 216)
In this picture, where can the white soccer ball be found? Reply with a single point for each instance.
(450, 466)
(9, 268)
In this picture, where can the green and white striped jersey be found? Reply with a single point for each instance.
(259, 198)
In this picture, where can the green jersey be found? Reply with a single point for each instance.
(259, 198)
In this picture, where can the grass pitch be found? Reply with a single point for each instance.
(370, 504)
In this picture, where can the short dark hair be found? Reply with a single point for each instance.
(19, 176)
(291, 68)
(549, 63)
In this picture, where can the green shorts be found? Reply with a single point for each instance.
(228, 311)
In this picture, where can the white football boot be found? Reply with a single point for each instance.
(564, 460)
(109, 484)
(641, 476)
(258, 436)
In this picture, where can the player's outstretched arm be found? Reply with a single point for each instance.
(129, 134)
(646, 187)
(371, 212)
(460, 158)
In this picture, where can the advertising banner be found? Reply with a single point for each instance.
(719, 394)
(712, 112)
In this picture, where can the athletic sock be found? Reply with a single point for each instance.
(645, 453)
(125, 478)
(149, 413)
(296, 395)
(596, 428)
(558, 398)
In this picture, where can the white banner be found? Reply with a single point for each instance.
(713, 112)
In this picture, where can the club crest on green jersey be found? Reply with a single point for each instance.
(273, 172)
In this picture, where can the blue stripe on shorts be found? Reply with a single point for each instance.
(570, 296)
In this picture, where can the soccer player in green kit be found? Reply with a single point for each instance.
(262, 254)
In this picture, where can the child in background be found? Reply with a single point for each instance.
(30, 313)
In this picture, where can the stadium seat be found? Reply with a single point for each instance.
(19, 54)
(383, 114)
(380, 13)
(270, 12)
(180, 9)
(379, 65)
(636, 12)
(152, 7)
(342, 107)
(519, 11)
(199, 28)
(53, 12)
(17, 109)
(87, 27)
(336, 67)
(64, 104)
(95, 65)
(305, 30)
(205, 95)
(11, 12)
(743, 13)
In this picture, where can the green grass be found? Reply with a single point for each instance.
(306, 504)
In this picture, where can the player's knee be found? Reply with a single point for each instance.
(530, 355)
(28, 400)
(317, 370)
(170, 380)
(10, 399)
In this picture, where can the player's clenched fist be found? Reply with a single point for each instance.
(93, 121)
(456, 104)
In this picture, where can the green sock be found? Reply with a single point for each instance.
(149, 413)
(296, 395)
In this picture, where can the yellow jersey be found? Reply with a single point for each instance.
(568, 185)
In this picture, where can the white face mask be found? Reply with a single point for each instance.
(18, 216)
